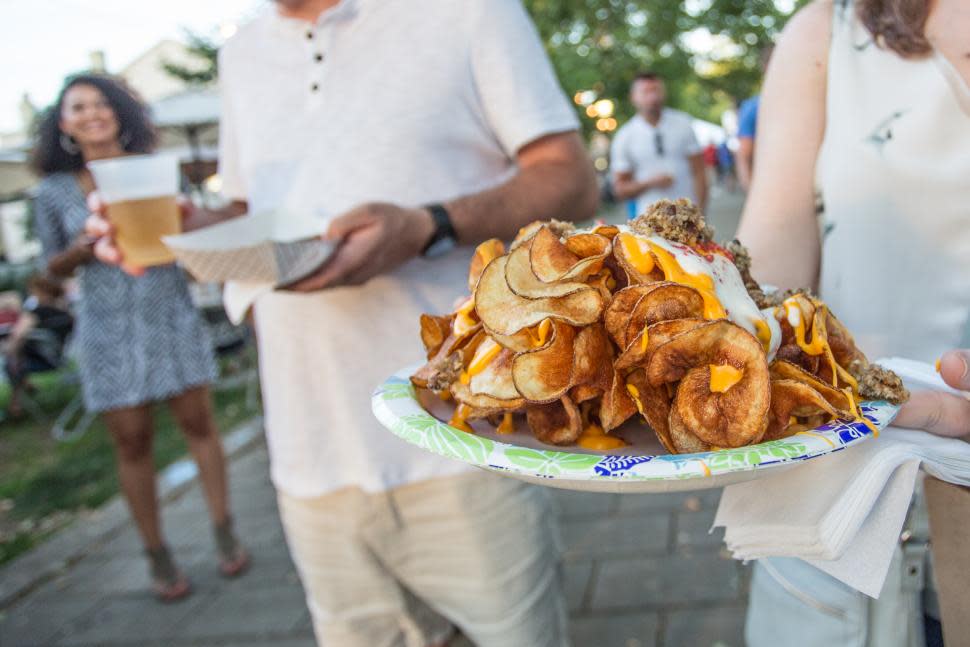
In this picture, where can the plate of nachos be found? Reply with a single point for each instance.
(634, 358)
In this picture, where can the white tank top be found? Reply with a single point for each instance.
(894, 176)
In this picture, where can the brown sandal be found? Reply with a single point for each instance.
(168, 583)
(233, 558)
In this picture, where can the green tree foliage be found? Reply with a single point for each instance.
(205, 51)
(600, 45)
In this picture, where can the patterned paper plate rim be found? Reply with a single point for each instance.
(396, 406)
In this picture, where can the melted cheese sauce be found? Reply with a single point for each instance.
(797, 320)
(593, 437)
(854, 408)
(539, 336)
(489, 349)
(818, 344)
(635, 394)
(484, 354)
(846, 377)
(703, 283)
(644, 340)
(714, 276)
(723, 377)
(463, 318)
(763, 332)
(637, 252)
(507, 426)
(490, 250)
(459, 419)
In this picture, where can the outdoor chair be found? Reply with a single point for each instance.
(48, 352)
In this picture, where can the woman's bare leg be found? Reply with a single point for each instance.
(131, 430)
(193, 412)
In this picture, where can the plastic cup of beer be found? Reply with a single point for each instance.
(139, 192)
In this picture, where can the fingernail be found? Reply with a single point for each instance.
(966, 367)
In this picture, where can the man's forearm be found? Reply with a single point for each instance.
(700, 189)
(563, 189)
(699, 176)
(629, 189)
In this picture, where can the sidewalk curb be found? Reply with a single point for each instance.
(71, 543)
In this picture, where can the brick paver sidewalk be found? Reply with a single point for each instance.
(640, 570)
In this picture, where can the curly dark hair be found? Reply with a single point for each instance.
(135, 127)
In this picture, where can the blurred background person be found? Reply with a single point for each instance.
(139, 341)
(879, 94)
(748, 126)
(656, 154)
(725, 167)
(36, 340)
(710, 161)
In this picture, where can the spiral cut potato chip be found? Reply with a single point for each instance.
(791, 399)
(729, 412)
(582, 331)
(504, 312)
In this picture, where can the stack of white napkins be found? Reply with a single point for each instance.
(844, 512)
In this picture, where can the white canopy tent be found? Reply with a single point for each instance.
(188, 121)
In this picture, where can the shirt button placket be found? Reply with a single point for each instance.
(314, 39)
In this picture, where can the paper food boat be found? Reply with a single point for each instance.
(270, 247)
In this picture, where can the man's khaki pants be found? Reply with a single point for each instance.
(399, 569)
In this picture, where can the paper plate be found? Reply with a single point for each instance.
(642, 466)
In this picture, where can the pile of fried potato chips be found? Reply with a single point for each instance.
(579, 331)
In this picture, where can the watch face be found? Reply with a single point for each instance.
(440, 247)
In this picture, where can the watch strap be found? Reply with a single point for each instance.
(443, 228)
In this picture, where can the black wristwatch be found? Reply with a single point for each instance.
(444, 238)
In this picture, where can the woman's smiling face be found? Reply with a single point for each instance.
(87, 116)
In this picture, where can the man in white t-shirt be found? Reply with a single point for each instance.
(656, 155)
(420, 128)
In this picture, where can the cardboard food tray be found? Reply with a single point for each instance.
(272, 247)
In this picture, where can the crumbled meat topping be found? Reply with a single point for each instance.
(770, 299)
(878, 383)
(779, 296)
(445, 372)
(742, 261)
(742, 258)
(561, 227)
(760, 299)
(677, 220)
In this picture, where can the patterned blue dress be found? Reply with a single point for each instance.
(138, 339)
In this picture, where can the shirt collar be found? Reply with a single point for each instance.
(660, 122)
(344, 10)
